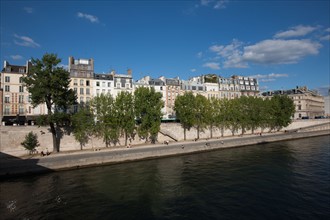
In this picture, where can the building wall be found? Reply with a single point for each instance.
(327, 106)
(15, 97)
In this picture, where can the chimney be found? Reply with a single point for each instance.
(129, 72)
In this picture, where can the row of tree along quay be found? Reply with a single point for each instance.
(244, 113)
(129, 115)
(104, 117)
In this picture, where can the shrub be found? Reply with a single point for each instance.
(30, 142)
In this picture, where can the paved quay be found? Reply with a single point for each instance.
(14, 166)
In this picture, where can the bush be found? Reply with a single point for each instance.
(30, 142)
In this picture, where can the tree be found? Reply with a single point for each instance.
(213, 112)
(30, 142)
(83, 125)
(106, 117)
(184, 108)
(124, 105)
(48, 83)
(233, 115)
(148, 105)
(202, 116)
(282, 110)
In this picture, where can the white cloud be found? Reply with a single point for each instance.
(220, 4)
(280, 51)
(199, 55)
(297, 31)
(16, 57)
(231, 54)
(25, 41)
(326, 37)
(212, 65)
(28, 10)
(216, 4)
(91, 18)
(269, 77)
(193, 70)
(327, 30)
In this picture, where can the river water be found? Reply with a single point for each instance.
(283, 180)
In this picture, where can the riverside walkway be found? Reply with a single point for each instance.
(14, 166)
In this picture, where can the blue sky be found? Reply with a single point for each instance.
(283, 43)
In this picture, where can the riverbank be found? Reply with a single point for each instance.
(14, 166)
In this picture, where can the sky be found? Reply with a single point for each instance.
(282, 43)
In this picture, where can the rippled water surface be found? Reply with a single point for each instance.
(284, 180)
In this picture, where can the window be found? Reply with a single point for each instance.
(21, 89)
(81, 99)
(7, 99)
(21, 109)
(7, 88)
(87, 82)
(7, 110)
(97, 91)
(87, 91)
(88, 100)
(75, 82)
(21, 98)
(97, 83)
(103, 84)
(7, 79)
(81, 82)
(109, 84)
(81, 91)
(21, 80)
(75, 90)
(21, 70)
(103, 91)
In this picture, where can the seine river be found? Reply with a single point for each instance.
(283, 180)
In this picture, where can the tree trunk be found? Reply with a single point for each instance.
(55, 144)
(125, 138)
(211, 129)
(197, 132)
(184, 133)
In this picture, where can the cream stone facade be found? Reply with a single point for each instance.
(308, 103)
(15, 97)
(81, 74)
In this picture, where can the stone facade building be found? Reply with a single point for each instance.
(81, 74)
(16, 104)
(309, 104)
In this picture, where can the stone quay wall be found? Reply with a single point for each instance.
(12, 136)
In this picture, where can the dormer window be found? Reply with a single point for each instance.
(21, 70)
(8, 69)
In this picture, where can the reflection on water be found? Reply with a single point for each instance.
(271, 181)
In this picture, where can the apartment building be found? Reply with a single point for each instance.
(122, 83)
(15, 97)
(81, 74)
(248, 86)
(229, 88)
(102, 84)
(308, 103)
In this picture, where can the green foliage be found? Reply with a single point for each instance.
(124, 105)
(48, 83)
(30, 142)
(148, 105)
(185, 111)
(211, 78)
(282, 109)
(83, 125)
(106, 115)
(245, 113)
(202, 113)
